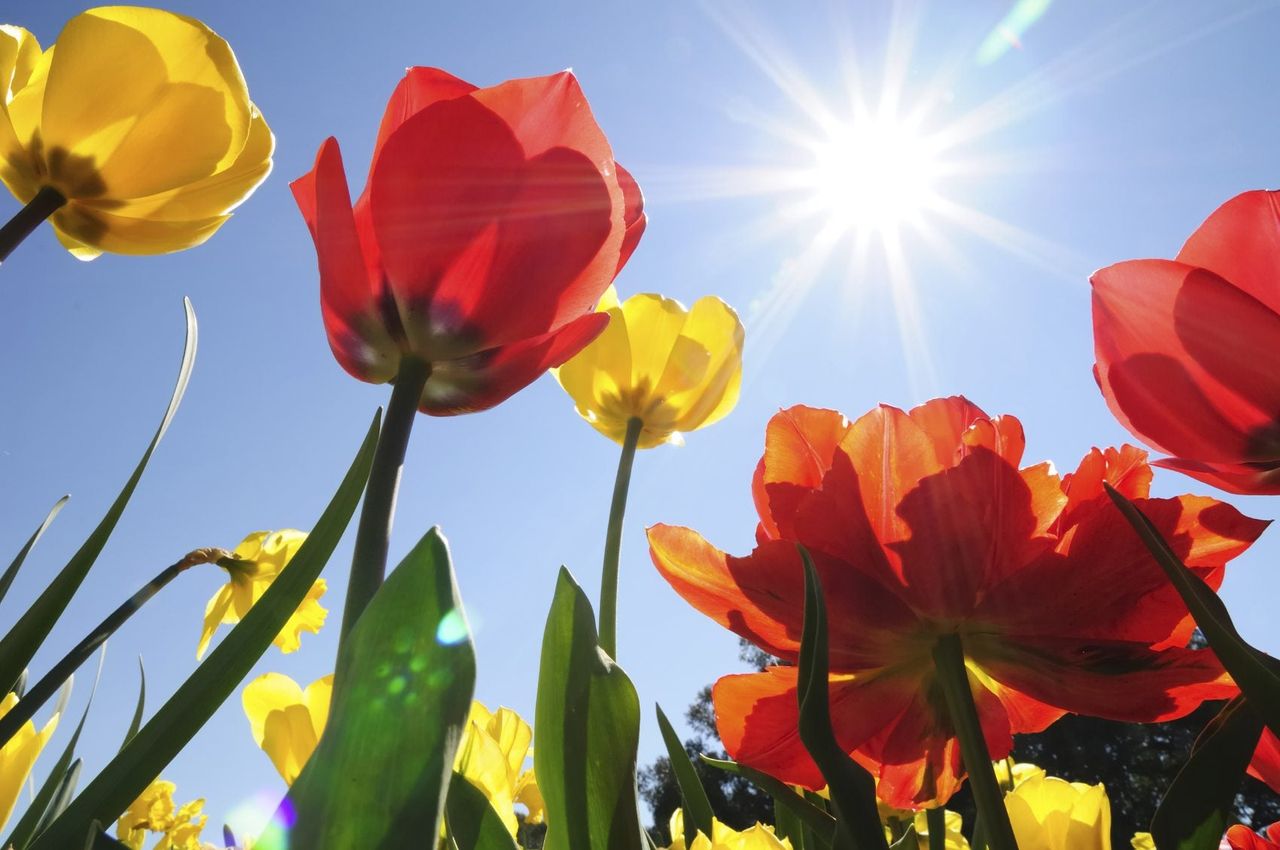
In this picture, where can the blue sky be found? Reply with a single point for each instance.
(1108, 134)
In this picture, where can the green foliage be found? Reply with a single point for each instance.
(402, 691)
(472, 822)
(195, 701)
(588, 727)
(698, 815)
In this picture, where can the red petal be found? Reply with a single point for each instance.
(484, 380)
(1241, 837)
(549, 112)
(440, 182)
(1240, 242)
(352, 319)
(419, 88)
(1180, 360)
(633, 217)
(543, 269)
(799, 444)
(1246, 479)
(1002, 435)
(1266, 760)
(1125, 469)
(945, 421)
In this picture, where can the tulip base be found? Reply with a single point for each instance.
(373, 535)
(948, 661)
(613, 540)
(46, 202)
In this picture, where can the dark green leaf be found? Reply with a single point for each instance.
(12, 572)
(588, 726)
(695, 804)
(473, 823)
(166, 733)
(1197, 807)
(852, 788)
(908, 841)
(1255, 672)
(20, 644)
(786, 825)
(822, 824)
(138, 708)
(401, 697)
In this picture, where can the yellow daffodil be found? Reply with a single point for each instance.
(286, 720)
(758, 837)
(154, 812)
(1048, 813)
(674, 369)
(954, 838)
(494, 748)
(140, 121)
(260, 558)
(18, 757)
(1011, 774)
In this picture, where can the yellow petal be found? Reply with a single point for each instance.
(18, 757)
(309, 617)
(141, 101)
(529, 795)
(90, 231)
(317, 698)
(1048, 813)
(215, 613)
(19, 54)
(705, 394)
(481, 760)
(286, 721)
(265, 694)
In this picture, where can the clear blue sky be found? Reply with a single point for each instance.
(1110, 133)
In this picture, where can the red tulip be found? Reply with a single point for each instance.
(1186, 347)
(1240, 837)
(921, 525)
(492, 222)
(1265, 765)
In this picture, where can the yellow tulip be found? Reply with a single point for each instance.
(494, 748)
(261, 556)
(758, 837)
(1048, 813)
(154, 812)
(953, 840)
(1011, 774)
(674, 369)
(1142, 841)
(18, 757)
(139, 120)
(286, 720)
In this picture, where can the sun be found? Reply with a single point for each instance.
(873, 174)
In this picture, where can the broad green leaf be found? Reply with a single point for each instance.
(472, 822)
(852, 788)
(1196, 808)
(697, 807)
(819, 822)
(20, 644)
(1255, 672)
(195, 701)
(401, 697)
(12, 572)
(786, 825)
(41, 810)
(588, 726)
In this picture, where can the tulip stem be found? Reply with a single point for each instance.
(613, 540)
(936, 820)
(27, 219)
(948, 661)
(373, 535)
(49, 684)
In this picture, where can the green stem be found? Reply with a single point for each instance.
(49, 684)
(948, 661)
(936, 820)
(613, 540)
(44, 204)
(373, 535)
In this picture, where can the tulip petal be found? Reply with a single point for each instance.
(800, 444)
(19, 55)
(1255, 479)
(108, 124)
(348, 298)
(946, 421)
(549, 112)
(265, 694)
(633, 217)
(1240, 242)
(703, 374)
(1265, 766)
(1175, 347)
(98, 230)
(483, 380)
(419, 88)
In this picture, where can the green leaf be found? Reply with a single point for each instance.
(139, 707)
(1255, 672)
(819, 822)
(786, 825)
(41, 810)
(12, 572)
(195, 701)
(852, 788)
(908, 840)
(695, 804)
(401, 698)
(1197, 807)
(472, 822)
(588, 726)
(20, 644)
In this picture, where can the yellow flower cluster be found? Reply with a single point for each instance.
(140, 121)
(260, 558)
(154, 812)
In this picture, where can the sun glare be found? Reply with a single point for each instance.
(876, 174)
